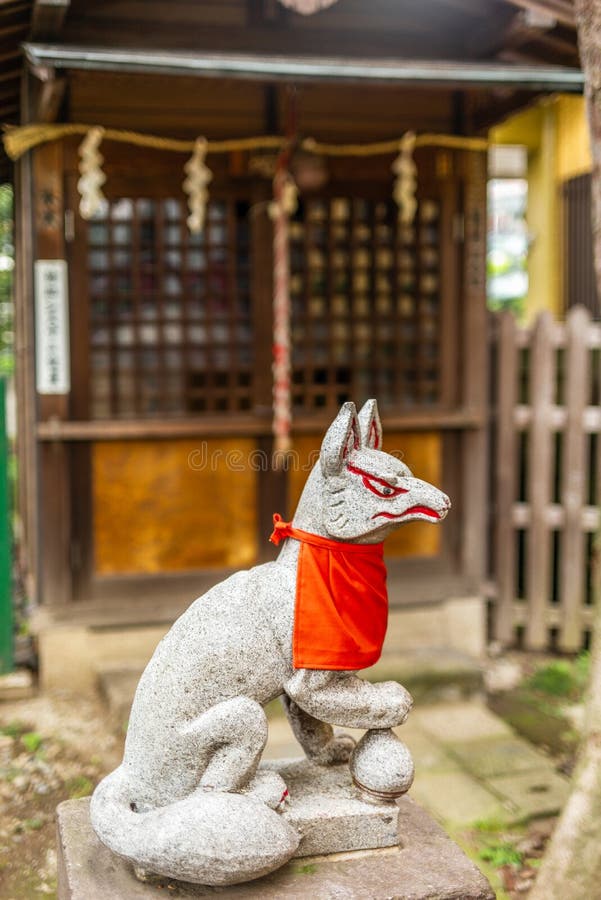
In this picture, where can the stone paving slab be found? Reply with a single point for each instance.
(531, 794)
(426, 865)
(428, 754)
(489, 757)
(460, 722)
(456, 797)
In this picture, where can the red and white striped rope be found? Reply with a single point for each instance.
(281, 367)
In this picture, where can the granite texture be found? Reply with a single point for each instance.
(329, 813)
(187, 800)
(427, 865)
(381, 765)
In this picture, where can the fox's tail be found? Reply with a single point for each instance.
(206, 838)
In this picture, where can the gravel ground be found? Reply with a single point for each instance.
(52, 748)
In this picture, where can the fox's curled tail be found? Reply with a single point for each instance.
(211, 838)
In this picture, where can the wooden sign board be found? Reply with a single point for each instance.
(52, 327)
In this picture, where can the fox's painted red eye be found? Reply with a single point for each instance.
(377, 486)
(381, 488)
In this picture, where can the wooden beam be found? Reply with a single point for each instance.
(562, 10)
(56, 430)
(47, 18)
(50, 94)
(547, 44)
(483, 118)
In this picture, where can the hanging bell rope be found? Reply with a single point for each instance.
(195, 186)
(282, 207)
(92, 177)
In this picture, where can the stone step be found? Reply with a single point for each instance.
(118, 685)
(431, 675)
(17, 685)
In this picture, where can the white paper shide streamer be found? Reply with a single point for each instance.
(307, 7)
(195, 186)
(92, 200)
(405, 185)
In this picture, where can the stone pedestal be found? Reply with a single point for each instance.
(424, 864)
(328, 812)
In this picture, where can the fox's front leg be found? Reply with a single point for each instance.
(317, 738)
(340, 698)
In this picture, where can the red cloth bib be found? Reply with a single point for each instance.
(341, 609)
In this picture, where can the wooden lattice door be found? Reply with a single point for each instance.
(367, 300)
(170, 311)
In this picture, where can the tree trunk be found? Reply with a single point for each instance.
(571, 867)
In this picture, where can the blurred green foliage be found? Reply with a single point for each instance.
(562, 677)
(7, 254)
(504, 854)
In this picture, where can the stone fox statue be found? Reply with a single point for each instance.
(189, 801)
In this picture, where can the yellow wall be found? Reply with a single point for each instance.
(573, 144)
(555, 133)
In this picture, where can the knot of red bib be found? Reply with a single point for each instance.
(281, 530)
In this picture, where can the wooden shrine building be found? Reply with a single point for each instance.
(146, 422)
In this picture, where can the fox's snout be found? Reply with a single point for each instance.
(445, 505)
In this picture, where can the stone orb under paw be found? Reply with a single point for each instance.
(381, 765)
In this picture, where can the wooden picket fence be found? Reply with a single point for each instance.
(546, 479)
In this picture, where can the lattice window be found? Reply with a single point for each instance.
(366, 303)
(170, 312)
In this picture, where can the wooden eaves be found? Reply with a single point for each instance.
(474, 75)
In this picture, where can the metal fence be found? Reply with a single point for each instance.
(546, 479)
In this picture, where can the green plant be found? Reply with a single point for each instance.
(79, 786)
(488, 826)
(558, 679)
(501, 855)
(13, 729)
(306, 869)
(582, 669)
(33, 824)
(32, 741)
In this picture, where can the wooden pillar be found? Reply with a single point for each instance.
(475, 370)
(55, 483)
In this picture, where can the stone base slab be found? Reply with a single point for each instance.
(425, 865)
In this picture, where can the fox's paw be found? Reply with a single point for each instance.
(270, 788)
(337, 750)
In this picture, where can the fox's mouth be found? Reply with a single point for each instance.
(412, 511)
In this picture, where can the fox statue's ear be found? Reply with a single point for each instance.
(342, 437)
(371, 427)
